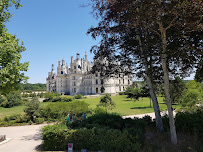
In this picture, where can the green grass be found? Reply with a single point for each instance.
(124, 106)
(16, 110)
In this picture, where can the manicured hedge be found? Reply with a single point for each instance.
(56, 137)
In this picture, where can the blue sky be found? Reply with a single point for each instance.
(52, 30)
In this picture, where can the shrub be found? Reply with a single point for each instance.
(78, 96)
(60, 99)
(121, 93)
(39, 120)
(190, 122)
(13, 99)
(112, 121)
(57, 136)
(99, 110)
(106, 102)
(31, 107)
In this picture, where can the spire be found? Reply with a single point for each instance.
(52, 67)
(63, 62)
(85, 55)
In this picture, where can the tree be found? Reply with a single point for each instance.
(199, 72)
(190, 100)
(31, 107)
(174, 28)
(11, 70)
(106, 102)
(127, 46)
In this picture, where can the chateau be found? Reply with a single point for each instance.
(77, 79)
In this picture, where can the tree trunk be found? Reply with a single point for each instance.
(159, 123)
(166, 86)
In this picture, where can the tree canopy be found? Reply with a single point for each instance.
(11, 69)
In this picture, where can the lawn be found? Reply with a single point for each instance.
(124, 106)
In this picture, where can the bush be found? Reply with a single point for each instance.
(57, 136)
(190, 122)
(78, 96)
(60, 99)
(39, 120)
(187, 122)
(99, 110)
(112, 121)
(13, 99)
(31, 107)
(121, 93)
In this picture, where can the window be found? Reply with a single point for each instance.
(73, 77)
(123, 81)
(102, 81)
(97, 90)
(61, 72)
(119, 88)
(119, 81)
(128, 81)
(74, 90)
(96, 75)
(123, 88)
(74, 67)
(96, 81)
(74, 84)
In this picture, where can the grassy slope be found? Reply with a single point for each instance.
(124, 106)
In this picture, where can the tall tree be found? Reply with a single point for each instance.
(176, 25)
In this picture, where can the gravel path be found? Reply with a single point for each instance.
(21, 138)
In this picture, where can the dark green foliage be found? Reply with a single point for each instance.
(31, 107)
(199, 72)
(121, 93)
(33, 87)
(106, 102)
(56, 97)
(177, 90)
(57, 136)
(112, 121)
(133, 92)
(190, 99)
(12, 99)
(78, 96)
(191, 122)
(62, 99)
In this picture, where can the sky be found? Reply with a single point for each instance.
(52, 30)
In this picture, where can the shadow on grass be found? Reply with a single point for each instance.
(165, 103)
(140, 107)
(128, 100)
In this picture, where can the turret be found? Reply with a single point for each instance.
(71, 59)
(78, 56)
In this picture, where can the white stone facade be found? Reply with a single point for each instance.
(77, 79)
